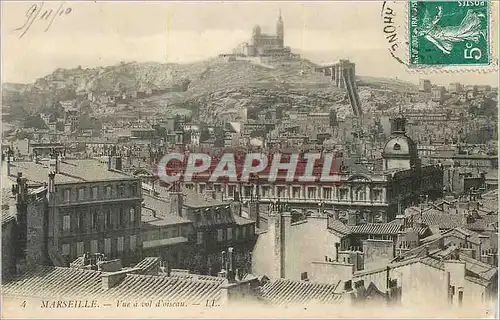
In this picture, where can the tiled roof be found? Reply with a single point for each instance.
(173, 289)
(70, 171)
(338, 226)
(376, 228)
(287, 292)
(443, 220)
(55, 282)
(69, 283)
(147, 263)
(484, 223)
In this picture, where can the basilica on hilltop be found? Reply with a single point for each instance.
(265, 45)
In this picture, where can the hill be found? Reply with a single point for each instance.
(217, 84)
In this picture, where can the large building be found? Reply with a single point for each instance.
(66, 208)
(377, 195)
(191, 230)
(262, 44)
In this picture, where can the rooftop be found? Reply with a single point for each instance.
(156, 212)
(288, 292)
(70, 171)
(71, 283)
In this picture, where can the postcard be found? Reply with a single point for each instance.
(249, 159)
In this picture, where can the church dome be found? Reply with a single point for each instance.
(400, 146)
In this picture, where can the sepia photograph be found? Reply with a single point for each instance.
(249, 159)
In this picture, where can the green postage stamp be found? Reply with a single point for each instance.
(449, 33)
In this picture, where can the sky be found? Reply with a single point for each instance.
(94, 33)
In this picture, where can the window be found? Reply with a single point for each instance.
(248, 191)
(243, 232)
(185, 232)
(66, 223)
(133, 190)
(132, 215)
(81, 222)
(165, 234)
(236, 233)
(175, 233)
(133, 242)
(94, 246)
(327, 193)
(121, 191)
(94, 193)
(108, 192)
(296, 192)
(281, 192)
(230, 191)
(119, 244)
(107, 246)
(79, 248)
(220, 235)
(397, 146)
(229, 233)
(360, 194)
(67, 195)
(81, 193)
(266, 191)
(311, 193)
(65, 249)
(199, 237)
(303, 276)
(94, 220)
(343, 193)
(121, 217)
(202, 187)
(107, 219)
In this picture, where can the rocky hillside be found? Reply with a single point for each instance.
(216, 84)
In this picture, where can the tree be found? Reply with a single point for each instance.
(35, 122)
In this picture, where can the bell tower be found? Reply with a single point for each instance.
(280, 31)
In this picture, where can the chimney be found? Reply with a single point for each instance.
(8, 163)
(223, 260)
(230, 266)
(400, 219)
(58, 162)
(111, 279)
(52, 187)
(176, 203)
(286, 223)
(109, 163)
(274, 230)
(337, 248)
(254, 211)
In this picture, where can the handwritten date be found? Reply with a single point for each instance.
(46, 16)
